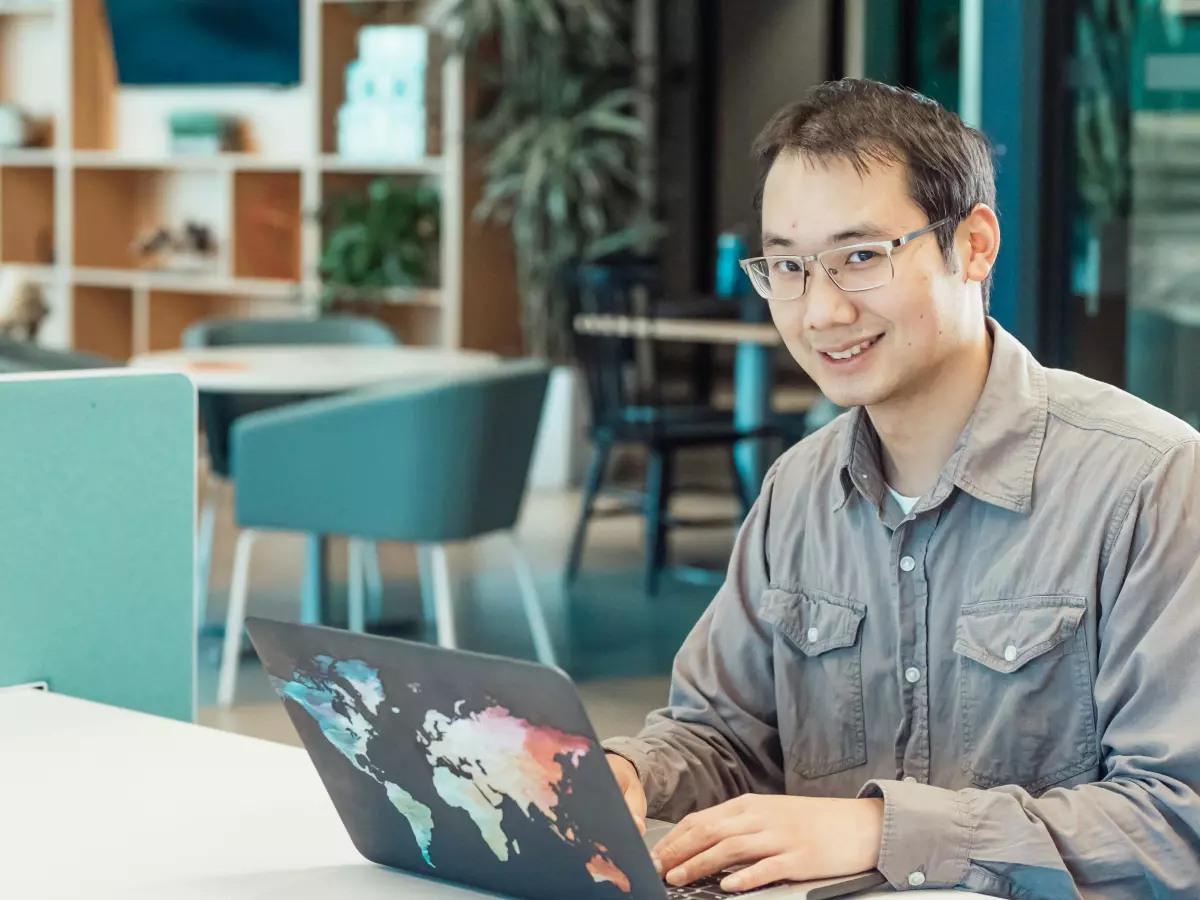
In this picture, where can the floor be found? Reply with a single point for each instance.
(616, 643)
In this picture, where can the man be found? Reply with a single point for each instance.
(958, 636)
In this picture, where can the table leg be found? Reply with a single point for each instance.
(752, 409)
(314, 598)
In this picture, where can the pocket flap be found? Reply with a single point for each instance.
(813, 620)
(1004, 635)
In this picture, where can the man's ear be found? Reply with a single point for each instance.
(978, 242)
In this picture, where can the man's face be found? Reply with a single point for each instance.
(905, 330)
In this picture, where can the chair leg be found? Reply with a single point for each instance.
(235, 619)
(658, 495)
(356, 583)
(315, 590)
(542, 643)
(595, 477)
(443, 598)
(374, 579)
(425, 574)
(204, 547)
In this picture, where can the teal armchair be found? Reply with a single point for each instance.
(435, 462)
(218, 411)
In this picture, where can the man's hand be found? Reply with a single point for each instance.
(777, 838)
(631, 787)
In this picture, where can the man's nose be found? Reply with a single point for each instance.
(827, 306)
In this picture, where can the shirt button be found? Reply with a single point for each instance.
(908, 564)
(1010, 653)
(813, 634)
(912, 676)
(916, 879)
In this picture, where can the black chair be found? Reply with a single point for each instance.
(626, 405)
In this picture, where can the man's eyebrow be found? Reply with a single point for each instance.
(860, 232)
(773, 241)
(863, 231)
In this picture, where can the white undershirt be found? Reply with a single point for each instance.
(906, 503)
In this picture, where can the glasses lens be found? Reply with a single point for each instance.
(859, 268)
(778, 277)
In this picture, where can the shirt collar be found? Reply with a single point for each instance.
(995, 457)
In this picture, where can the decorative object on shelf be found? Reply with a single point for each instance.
(384, 115)
(383, 245)
(565, 140)
(196, 133)
(14, 127)
(20, 129)
(27, 308)
(192, 248)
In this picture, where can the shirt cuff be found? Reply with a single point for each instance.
(635, 753)
(927, 834)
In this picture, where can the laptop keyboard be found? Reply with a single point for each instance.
(705, 889)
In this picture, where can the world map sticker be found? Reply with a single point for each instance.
(478, 760)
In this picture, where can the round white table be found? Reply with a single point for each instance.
(300, 369)
(303, 369)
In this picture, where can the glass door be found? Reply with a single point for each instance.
(1132, 312)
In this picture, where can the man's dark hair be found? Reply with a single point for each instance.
(867, 123)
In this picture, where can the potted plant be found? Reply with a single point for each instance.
(564, 145)
(381, 245)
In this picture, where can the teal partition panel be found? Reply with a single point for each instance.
(97, 517)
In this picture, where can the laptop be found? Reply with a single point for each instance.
(475, 770)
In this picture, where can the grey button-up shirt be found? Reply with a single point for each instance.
(1013, 667)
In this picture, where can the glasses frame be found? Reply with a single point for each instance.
(889, 246)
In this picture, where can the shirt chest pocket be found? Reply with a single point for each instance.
(818, 680)
(1025, 692)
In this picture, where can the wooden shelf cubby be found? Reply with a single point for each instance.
(114, 207)
(102, 321)
(27, 214)
(267, 225)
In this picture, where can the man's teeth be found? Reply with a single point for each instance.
(853, 351)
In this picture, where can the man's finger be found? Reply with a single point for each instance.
(695, 834)
(635, 799)
(739, 850)
(764, 872)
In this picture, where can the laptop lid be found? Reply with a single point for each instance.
(452, 765)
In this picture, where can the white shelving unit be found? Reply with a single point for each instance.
(69, 213)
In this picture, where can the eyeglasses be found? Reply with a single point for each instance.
(858, 267)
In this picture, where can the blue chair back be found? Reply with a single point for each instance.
(218, 412)
(446, 459)
(325, 330)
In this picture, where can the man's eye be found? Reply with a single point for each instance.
(788, 267)
(862, 256)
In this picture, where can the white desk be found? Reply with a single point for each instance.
(301, 369)
(102, 803)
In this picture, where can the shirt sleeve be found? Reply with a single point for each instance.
(718, 737)
(1135, 833)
